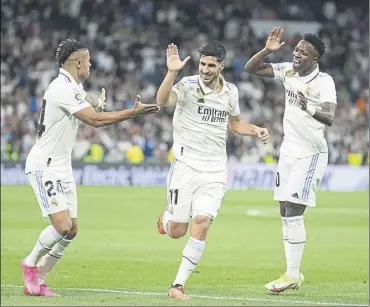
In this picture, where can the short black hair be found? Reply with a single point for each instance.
(214, 48)
(65, 48)
(316, 42)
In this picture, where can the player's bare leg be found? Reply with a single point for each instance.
(191, 255)
(51, 235)
(292, 278)
(48, 262)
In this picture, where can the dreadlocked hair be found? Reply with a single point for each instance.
(65, 48)
(316, 42)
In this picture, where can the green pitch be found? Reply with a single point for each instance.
(119, 259)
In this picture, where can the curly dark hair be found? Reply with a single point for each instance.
(316, 42)
(65, 48)
(215, 49)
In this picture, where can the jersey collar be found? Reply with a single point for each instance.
(311, 76)
(206, 90)
(67, 75)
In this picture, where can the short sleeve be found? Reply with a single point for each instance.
(180, 89)
(235, 111)
(328, 92)
(280, 69)
(73, 100)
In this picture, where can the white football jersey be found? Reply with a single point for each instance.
(304, 135)
(57, 127)
(200, 123)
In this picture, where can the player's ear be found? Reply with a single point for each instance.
(78, 63)
(315, 59)
(222, 66)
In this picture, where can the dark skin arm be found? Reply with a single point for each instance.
(256, 64)
(324, 116)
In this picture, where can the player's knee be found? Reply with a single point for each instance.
(293, 209)
(200, 226)
(282, 209)
(177, 230)
(63, 227)
(72, 234)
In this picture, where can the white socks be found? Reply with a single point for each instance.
(285, 235)
(51, 259)
(190, 257)
(296, 242)
(47, 239)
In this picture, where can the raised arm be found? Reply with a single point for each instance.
(91, 117)
(256, 64)
(165, 95)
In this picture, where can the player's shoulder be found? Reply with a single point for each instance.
(61, 87)
(231, 86)
(323, 76)
(190, 80)
(283, 65)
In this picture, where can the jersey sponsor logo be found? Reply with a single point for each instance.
(212, 115)
(292, 97)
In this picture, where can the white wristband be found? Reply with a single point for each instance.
(311, 110)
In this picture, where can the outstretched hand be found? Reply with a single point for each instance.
(174, 62)
(142, 109)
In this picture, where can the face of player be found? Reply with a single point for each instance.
(209, 69)
(83, 65)
(304, 56)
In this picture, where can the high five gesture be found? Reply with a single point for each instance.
(174, 62)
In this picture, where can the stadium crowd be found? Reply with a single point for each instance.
(127, 42)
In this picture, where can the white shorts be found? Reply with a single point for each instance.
(191, 193)
(54, 192)
(298, 178)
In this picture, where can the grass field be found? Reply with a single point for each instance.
(119, 259)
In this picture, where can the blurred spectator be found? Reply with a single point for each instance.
(127, 41)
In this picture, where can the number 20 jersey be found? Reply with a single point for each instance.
(57, 127)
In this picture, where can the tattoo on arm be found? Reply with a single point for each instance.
(91, 99)
(326, 115)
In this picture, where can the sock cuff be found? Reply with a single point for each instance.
(284, 220)
(295, 220)
(198, 244)
(64, 242)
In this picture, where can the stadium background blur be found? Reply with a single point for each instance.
(127, 42)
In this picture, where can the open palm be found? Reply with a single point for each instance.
(273, 42)
(174, 62)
